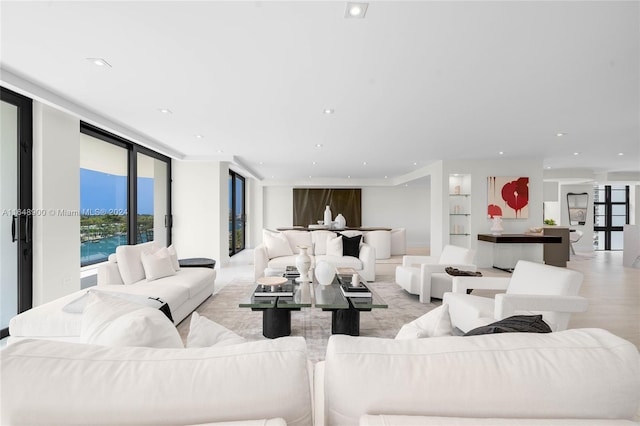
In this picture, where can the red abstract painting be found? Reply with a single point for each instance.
(508, 197)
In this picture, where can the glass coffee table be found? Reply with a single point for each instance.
(276, 309)
(345, 310)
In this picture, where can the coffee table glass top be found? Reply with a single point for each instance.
(301, 298)
(330, 297)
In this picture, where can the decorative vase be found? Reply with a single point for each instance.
(496, 227)
(303, 264)
(325, 272)
(341, 222)
(327, 216)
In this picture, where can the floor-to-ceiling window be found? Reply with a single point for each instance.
(16, 224)
(125, 195)
(611, 213)
(236, 213)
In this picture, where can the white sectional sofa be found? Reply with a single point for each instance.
(123, 273)
(572, 377)
(273, 256)
(59, 383)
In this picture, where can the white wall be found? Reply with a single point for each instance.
(393, 206)
(200, 209)
(56, 183)
(479, 171)
(399, 207)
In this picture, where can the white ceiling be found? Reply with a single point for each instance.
(412, 83)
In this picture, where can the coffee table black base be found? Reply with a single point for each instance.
(345, 321)
(276, 322)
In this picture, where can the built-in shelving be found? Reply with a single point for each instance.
(460, 209)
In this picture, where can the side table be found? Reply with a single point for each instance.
(197, 262)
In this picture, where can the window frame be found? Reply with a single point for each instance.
(233, 214)
(132, 179)
(608, 204)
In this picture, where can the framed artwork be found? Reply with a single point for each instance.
(508, 197)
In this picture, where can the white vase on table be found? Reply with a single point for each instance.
(325, 272)
(340, 221)
(303, 264)
(327, 216)
(496, 227)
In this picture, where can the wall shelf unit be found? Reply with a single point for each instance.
(460, 210)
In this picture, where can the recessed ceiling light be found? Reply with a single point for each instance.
(349, 177)
(560, 134)
(356, 10)
(199, 136)
(220, 151)
(621, 153)
(386, 177)
(548, 167)
(318, 145)
(309, 176)
(501, 153)
(314, 163)
(415, 163)
(576, 153)
(456, 174)
(328, 111)
(364, 163)
(165, 111)
(99, 62)
(406, 184)
(261, 163)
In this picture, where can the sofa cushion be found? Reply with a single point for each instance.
(79, 384)
(435, 323)
(174, 257)
(193, 279)
(579, 373)
(276, 243)
(299, 239)
(401, 420)
(351, 245)
(157, 265)
(282, 262)
(165, 289)
(334, 245)
(342, 261)
(319, 239)
(113, 321)
(130, 261)
(204, 333)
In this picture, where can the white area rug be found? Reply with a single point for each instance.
(312, 323)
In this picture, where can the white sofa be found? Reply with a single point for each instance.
(54, 383)
(572, 377)
(269, 262)
(183, 292)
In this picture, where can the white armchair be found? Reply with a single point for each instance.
(533, 288)
(426, 276)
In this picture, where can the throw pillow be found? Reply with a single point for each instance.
(351, 245)
(277, 244)
(334, 245)
(204, 333)
(157, 265)
(174, 257)
(130, 263)
(514, 324)
(112, 321)
(435, 323)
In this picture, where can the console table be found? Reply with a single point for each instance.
(518, 239)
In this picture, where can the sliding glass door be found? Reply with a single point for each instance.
(16, 224)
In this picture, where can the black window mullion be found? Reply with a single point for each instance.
(132, 201)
